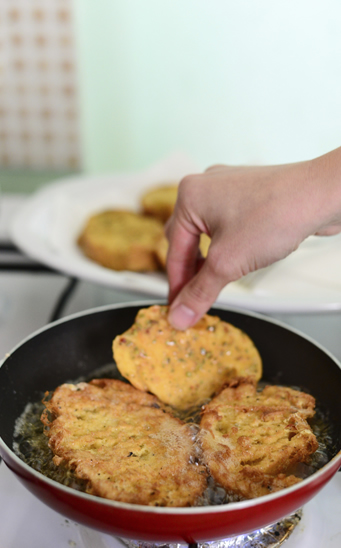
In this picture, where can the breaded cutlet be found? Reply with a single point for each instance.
(253, 440)
(123, 444)
(159, 201)
(122, 240)
(184, 368)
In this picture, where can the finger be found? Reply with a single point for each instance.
(168, 226)
(216, 168)
(196, 297)
(181, 258)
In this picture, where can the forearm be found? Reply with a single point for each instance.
(326, 172)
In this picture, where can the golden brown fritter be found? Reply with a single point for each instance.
(252, 440)
(122, 240)
(123, 444)
(159, 201)
(184, 368)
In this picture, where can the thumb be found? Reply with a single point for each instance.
(196, 297)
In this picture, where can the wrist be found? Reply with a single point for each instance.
(325, 178)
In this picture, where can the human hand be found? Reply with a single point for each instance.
(254, 217)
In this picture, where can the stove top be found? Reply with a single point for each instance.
(28, 523)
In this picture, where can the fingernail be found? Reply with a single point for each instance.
(181, 317)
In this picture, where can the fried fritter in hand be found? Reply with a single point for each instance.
(252, 439)
(123, 444)
(184, 368)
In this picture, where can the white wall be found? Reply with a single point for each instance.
(225, 81)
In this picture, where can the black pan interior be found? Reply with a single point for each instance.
(76, 347)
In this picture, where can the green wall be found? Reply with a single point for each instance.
(224, 81)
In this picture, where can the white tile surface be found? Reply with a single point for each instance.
(38, 85)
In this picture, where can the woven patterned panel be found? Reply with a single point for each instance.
(38, 88)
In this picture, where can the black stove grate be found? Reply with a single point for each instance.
(13, 260)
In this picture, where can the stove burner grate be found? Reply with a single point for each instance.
(271, 536)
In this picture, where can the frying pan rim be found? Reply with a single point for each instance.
(232, 506)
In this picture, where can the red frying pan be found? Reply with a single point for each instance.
(75, 346)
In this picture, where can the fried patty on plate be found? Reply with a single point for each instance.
(122, 240)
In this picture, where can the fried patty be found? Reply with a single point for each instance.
(123, 444)
(122, 240)
(253, 440)
(184, 368)
(159, 201)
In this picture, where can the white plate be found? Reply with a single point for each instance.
(47, 225)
